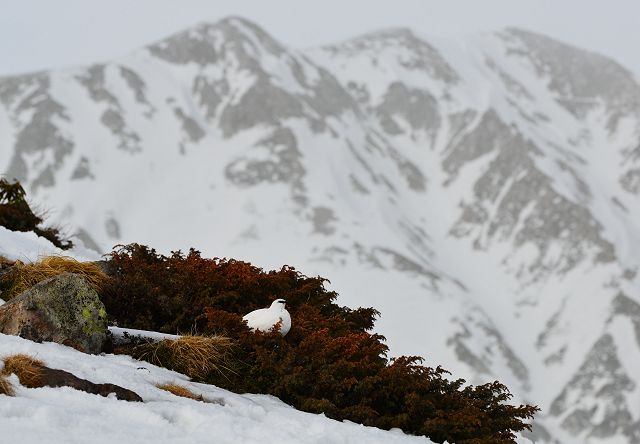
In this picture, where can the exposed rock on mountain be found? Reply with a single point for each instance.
(482, 192)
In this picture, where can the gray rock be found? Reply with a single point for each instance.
(595, 399)
(279, 161)
(63, 309)
(578, 76)
(417, 107)
(94, 79)
(630, 181)
(37, 116)
(82, 170)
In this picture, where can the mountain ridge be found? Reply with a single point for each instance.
(486, 186)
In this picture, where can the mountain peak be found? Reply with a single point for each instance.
(399, 32)
(387, 37)
(204, 43)
(234, 27)
(240, 22)
(579, 76)
(400, 46)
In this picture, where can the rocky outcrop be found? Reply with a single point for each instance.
(63, 309)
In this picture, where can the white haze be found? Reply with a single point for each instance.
(40, 34)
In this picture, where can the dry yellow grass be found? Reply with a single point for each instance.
(180, 390)
(5, 387)
(25, 367)
(194, 356)
(4, 262)
(27, 275)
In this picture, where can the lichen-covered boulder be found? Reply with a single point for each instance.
(63, 309)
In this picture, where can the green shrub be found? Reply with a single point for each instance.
(329, 362)
(16, 215)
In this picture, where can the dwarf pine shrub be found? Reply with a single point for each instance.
(329, 362)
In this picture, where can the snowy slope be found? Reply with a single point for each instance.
(65, 415)
(481, 192)
(28, 247)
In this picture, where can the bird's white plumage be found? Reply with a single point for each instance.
(265, 318)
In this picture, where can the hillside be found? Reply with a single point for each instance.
(36, 379)
(482, 193)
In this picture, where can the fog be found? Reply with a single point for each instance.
(40, 34)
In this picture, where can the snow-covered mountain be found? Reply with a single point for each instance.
(482, 193)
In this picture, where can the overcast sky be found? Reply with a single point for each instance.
(44, 34)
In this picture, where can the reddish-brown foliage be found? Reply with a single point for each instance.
(329, 362)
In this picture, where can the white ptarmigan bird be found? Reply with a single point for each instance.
(265, 318)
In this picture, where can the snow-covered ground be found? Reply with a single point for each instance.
(27, 247)
(65, 415)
